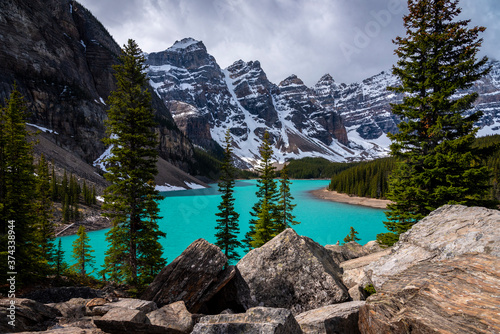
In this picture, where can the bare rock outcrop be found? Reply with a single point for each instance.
(192, 277)
(290, 271)
(447, 232)
(459, 295)
(338, 318)
(20, 314)
(258, 320)
(174, 316)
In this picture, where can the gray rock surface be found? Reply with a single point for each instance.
(447, 232)
(193, 274)
(258, 320)
(459, 295)
(354, 270)
(290, 271)
(123, 320)
(174, 316)
(72, 309)
(28, 315)
(338, 318)
(352, 250)
(69, 330)
(145, 306)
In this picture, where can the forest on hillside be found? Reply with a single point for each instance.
(370, 178)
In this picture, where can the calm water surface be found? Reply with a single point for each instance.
(190, 214)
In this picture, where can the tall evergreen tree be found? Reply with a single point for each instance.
(264, 212)
(17, 195)
(227, 223)
(82, 253)
(45, 224)
(60, 266)
(285, 207)
(437, 162)
(131, 199)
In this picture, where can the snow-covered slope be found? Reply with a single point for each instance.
(205, 101)
(340, 122)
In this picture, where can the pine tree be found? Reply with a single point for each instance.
(17, 195)
(60, 265)
(131, 199)
(438, 164)
(265, 210)
(285, 207)
(54, 186)
(82, 253)
(352, 236)
(227, 226)
(45, 224)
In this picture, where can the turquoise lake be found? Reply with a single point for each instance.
(189, 215)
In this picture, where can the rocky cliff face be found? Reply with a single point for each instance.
(333, 120)
(366, 111)
(60, 56)
(206, 100)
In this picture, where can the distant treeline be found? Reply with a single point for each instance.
(316, 168)
(370, 179)
(366, 179)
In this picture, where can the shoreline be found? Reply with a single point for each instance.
(334, 196)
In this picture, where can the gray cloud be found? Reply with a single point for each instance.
(350, 39)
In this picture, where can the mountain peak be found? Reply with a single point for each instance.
(187, 44)
(291, 80)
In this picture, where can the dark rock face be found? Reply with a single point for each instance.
(458, 295)
(193, 277)
(290, 272)
(339, 318)
(63, 294)
(258, 320)
(351, 250)
(61, 57)
(28, 315)
(206, 100)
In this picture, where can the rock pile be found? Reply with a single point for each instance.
(294, 285)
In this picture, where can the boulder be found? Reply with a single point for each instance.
(72, 309)
(123, 320)
(145, 306)
(290, 271)
(174, 316)
(459, 295)
(258, 320)
(447, 232)
(198, 271)
(338, 318)
(352, 250)
(28, 315)
(358, 293)
(354, 270)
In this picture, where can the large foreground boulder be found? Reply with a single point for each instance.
(460, 295)
(258, 320)
(192, 277)
(331, 319)
(20, 314)
(291, 272)
(447, 232)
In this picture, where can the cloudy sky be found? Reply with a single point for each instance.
(350, 39)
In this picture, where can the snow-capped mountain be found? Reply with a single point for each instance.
(340, 122)
(205, 101)
(366, 111)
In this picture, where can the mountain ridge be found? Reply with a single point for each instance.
(336, 121)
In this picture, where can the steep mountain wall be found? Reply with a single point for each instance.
(60, 56)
